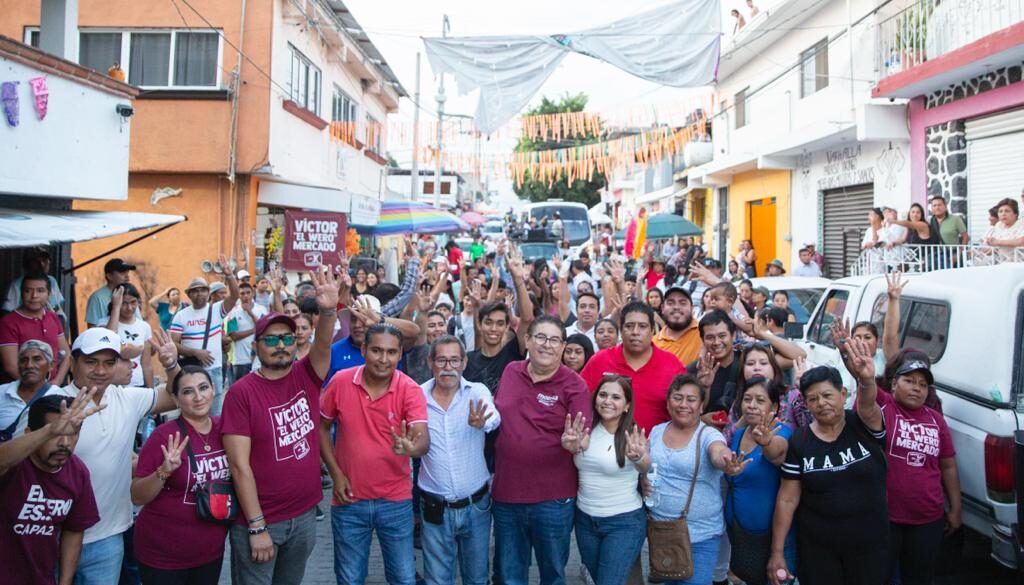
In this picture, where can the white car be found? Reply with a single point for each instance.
(493, 229)
(803, 291)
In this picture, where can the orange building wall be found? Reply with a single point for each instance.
(173, 256)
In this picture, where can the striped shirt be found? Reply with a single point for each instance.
(191, 324)
(454, 467)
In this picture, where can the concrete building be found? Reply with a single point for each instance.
(801, 149)
(452, 187)
(960, 64)
(229, 137)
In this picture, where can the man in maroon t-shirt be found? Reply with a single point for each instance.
(534, 488)
(33, 319)
(46, 498)
(649, 367)
(270, 422)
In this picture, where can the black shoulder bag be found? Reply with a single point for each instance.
(194, 361)
(215, 500)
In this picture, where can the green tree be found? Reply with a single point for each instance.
(581, 190)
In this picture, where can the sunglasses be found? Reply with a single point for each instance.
(273, 340)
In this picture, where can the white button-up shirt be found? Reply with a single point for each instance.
(12, 407)
(454, 466)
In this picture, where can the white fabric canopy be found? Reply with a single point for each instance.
(22, 228)
(675, 45)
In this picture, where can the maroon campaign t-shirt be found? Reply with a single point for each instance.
(171, 516)
(282, 418)
(35, 506)
(530, 464)
(915, 440)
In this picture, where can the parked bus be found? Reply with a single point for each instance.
(575, 220)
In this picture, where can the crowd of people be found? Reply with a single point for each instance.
(477, 397)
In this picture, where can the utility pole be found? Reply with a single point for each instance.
(441, 98)
(415, 174)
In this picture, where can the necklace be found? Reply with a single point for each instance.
(203, 438)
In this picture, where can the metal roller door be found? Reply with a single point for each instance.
(995, 165)
(844, 218)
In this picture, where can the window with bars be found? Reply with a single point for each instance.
(304, 82)
(814, 68)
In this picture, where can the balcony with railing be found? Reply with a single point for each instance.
(918, 258)
(926, 44)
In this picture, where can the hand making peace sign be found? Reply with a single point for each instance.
(478, 414)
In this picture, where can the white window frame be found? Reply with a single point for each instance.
(741, 102)
(809, 58)
(378, 136)
(347, 106)
(297, 57)
(126, 44)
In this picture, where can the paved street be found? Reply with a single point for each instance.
(975, 569)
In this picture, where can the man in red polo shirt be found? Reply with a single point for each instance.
(651, 369)
(382, 421)
(33, 320)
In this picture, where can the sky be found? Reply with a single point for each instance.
(396, 26)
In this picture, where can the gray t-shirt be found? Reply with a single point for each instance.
(675, 472)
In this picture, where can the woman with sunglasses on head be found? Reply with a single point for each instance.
(610, 521)
(761, 439)
(172, 544)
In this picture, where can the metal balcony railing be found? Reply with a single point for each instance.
(916, 258)
(927, 29)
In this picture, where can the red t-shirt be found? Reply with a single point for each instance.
(279, 417)
(17, 328)
(363, 444)
(171, 516)
(530, 464)
(915, 440)
(650, 382)
(455, 259)
(35, 506)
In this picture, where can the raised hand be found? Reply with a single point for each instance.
(734, 463)
(404, 440)
(514, 265)
(576, 436)
(423, 300)
(166, 351)
(478, 414)
(326, 288)
(362, 309)
(556, 261)
(617, 270)
(225, 266)
(172, 453)
(116, 300)
(765, 430)
(637, 446)
(840, 334)
(72, 417)
(861, 362)
(895, 284)
(799, 368)
(707, 367)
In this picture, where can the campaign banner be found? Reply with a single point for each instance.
(312, 239)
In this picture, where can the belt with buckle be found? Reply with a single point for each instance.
(456, 504)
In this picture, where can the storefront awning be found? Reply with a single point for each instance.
(21, 228)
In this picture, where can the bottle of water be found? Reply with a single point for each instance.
(654, 498)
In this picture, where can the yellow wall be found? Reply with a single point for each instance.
(701, 206)
(752, 186)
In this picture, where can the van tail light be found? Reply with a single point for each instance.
(999, 476)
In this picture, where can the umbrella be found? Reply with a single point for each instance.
(473, 218)
(667, 225)
(403, 217)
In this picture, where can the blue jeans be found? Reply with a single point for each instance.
(705, 554)
(544, 527)
(353, 526)
(609, 546)
(217, 375)
(100, 561)
(465, 535)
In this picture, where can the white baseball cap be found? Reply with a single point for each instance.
(373, 302)
(97, 339)
(243, 274)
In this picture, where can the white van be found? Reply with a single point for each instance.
(970, 321)
(575, 220)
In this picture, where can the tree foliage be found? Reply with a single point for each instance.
(582, 191)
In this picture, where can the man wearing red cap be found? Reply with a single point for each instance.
(270, 435)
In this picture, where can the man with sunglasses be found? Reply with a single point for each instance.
(270, 434)
(453, 478)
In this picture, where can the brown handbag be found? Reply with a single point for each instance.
(668, 541)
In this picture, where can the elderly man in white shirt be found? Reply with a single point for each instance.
(35, 360)
(453, 479)
(106, 440)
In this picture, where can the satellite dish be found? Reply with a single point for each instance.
(206, 266)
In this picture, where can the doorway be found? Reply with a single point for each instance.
(761, 230)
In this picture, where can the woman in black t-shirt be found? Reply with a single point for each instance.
(833, 482)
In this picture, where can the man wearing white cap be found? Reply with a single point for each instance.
(197, 330)
(244, 276)
(106, 440)
(35, 360)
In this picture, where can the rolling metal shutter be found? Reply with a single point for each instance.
(844, 218)
(995, 165)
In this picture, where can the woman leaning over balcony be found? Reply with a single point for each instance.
(1007, 233)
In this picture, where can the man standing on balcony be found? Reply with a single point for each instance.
(951, 228)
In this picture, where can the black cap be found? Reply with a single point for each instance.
(117, 265)
(711, 263)
(679, 289)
